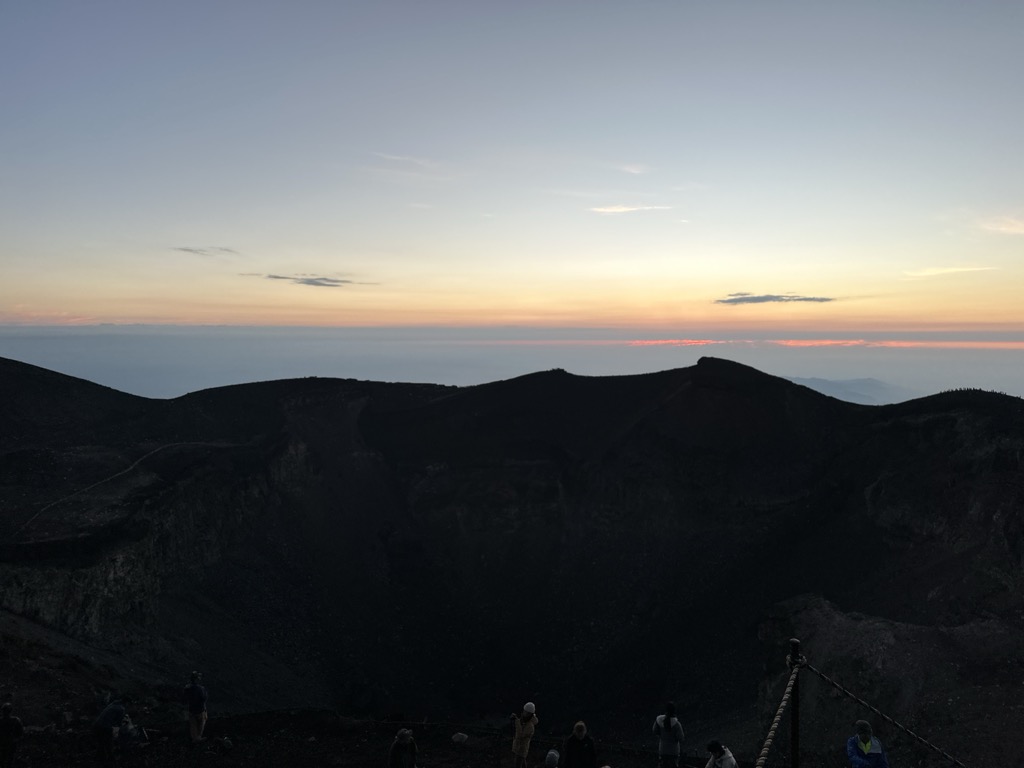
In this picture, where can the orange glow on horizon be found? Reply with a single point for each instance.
(858, 343)
(822, 342)
(676, 342)
(898, 343)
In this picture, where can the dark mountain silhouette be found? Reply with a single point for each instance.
(595, 544)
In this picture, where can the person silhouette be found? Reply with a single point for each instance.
(864, 749)
(403, 750)
(670, 736)
(721, 757)
(11, 731)
(194, 696)
(578, 748)
(525, 725)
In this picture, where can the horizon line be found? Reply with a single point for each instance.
(531, 335)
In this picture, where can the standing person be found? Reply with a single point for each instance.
(864, 750)
(403, 750)
(11, 731)
(721, 757)
(670, 736)
(578, 749)
(194, 697)
(103, 729)
(525, 725)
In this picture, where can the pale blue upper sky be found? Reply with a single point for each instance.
(557, 163)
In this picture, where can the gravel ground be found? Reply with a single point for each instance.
(306, 739)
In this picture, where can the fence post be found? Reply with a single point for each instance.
(794, 703)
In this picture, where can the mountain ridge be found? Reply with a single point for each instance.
(370, 546)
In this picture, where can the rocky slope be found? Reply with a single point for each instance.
(597, 544)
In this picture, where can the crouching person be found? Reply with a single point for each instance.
(721, 757)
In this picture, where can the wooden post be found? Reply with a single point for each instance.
(794, 704)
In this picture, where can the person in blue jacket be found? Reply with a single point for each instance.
(864, 750)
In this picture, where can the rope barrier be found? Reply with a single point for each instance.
(782, 708)
(884, 716)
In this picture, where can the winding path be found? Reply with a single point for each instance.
(114, 476)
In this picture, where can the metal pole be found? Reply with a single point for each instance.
(794, 715)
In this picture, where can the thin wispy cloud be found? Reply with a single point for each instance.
(22, 314)
(822, 342)
(771, 298)
(900, 343)
(420, 162)
(938, 271)
(596, 193)
(406, 168)
(316, 281)
(674, 342)
(635, 169)
(1007, 225)
(612, 210)
(206, 250)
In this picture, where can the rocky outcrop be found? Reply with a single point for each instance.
(955, 687)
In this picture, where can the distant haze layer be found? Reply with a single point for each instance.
(168, 361)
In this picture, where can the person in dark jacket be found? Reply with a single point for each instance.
(864, 750)
(578, 749)
(103, 729)
(194, 697)
(670, 736)
(11, 731)
(403, 750)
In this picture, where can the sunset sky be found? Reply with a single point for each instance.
(808, 170)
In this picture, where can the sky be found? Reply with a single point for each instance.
(830, 175)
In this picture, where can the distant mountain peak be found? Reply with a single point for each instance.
(865, 391)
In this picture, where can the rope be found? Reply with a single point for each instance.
(884, 716)
(782, 708)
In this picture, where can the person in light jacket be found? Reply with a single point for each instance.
(670, 736)
(721, 757)
(525, 725)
